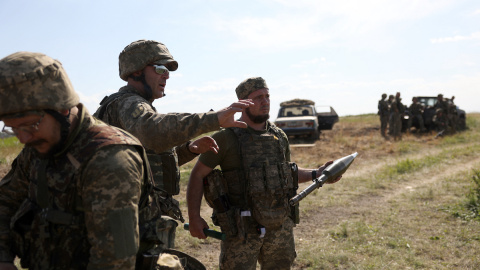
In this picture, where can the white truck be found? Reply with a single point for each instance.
(300, 117)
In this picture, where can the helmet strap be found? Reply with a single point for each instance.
(146, 88)
(65, 124)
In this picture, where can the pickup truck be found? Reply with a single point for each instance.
(300, 117)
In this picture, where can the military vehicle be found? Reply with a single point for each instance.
(428, 103)
(300, 117)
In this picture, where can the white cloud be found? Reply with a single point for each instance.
(305, 23)
(472, 36)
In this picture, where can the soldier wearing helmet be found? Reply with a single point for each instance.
(74, 195)
(257, 179)
(146, 65)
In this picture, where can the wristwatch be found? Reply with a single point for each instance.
(314, 175)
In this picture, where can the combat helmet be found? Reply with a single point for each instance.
(138, 54)
(33, 81)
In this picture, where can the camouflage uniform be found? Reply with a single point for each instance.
(255, 216)
(416, 111)
(397, 111)
(164, 136)
(390, 101)
(90, 217)
(85, 204)
(442, 121)
(383, 113)
(244, 244)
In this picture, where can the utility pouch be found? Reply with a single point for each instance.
(215, 191)
(169, 206)
(294, 210)
(171, 172)
(166, 173)
(227, 221)
(20, 225)
(166, 228)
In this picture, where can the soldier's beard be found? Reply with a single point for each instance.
(257, 119)
(53, 149)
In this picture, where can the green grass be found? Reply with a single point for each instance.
(9, 149)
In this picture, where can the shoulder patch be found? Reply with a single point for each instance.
(138, 111)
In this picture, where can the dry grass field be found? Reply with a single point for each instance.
(409, 204)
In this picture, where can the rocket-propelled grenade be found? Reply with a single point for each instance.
(329, 174)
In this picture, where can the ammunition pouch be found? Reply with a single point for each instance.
(269, 190)
(294, 210)
(157, 234)
(20, 226)
(166, 173)
(215, 193)
(168, 205)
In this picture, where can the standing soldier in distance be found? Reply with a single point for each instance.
(74, 195)
(383, 113)
(391, 98)
(145, 65)
(397, 111)
(258, 180)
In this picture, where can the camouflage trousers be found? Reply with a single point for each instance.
(276, 250)
(383, 124)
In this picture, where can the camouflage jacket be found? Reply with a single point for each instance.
(416, 108)
(383, 107)
(86, 212)
(129, 110)
(158, 132)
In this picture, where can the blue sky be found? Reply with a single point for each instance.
(342, 53)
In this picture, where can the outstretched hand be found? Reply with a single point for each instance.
(226, 115)
(202, 145)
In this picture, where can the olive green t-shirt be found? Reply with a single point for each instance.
(228, 157)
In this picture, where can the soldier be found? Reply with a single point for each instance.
(397, 110)
(416, 111)
(258, 182)
(452, 114)
(74, 195)
(383, 113)
(391, 98)
(440, 120)
(145, 65)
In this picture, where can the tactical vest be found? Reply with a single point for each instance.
(54, 219)
(261, 189)
(165, 169)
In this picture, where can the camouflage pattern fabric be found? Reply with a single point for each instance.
(244, 248)
(164, 136)
(157, 132)
(92, 218)
(34, 81)
(138, 54)
(275, 251)
(250, 85)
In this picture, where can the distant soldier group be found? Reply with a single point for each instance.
(391, 111)
(446, 116)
